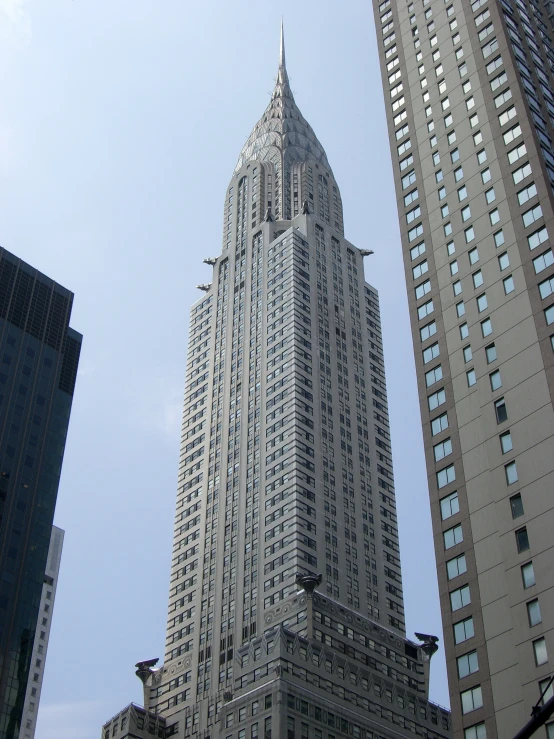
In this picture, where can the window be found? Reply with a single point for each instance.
(439, 175)
(477, 138)
(415, 232)
(469, 234)
(549, 315)
(448, 120)
(470, 103)
(527, 193)
(489, 196)
(442, 193)
(511, 473)
(494, 216)
(411, 215)
(463, 630)
(506, 442)
(539, 650)
(454, 155)
(528, 575)
(460, 309)
(406, 162)
(410, 197)
(459, 53)
(446, 476)
(498, 238)
(466, 87)
(408, 179)
(504, 96)
(477, 278)
(467, 664)
(451, 137)
(522, 540)
(436, 158)
(500, 410)
(516, 506)
(534, 612)
(462, 69)
(477, 731)
(423, 289)
(420, 269)
(418, 250)
(436, 399)
(486, 327)
(442, 450)
(445, 103)
(457, 287)
(464, 331)
(450, 248)
(454, 269)
(508, 283)
(486, 175)
(520, 174)
(458, 174)
(547, 691)
(439, 424)
(517, 153)
(473, 255)
(433, 376)
(468, 355)
(512, 134)
(482, 303)
(453, 536)
(503, 261)
(444, 211)
(531, 215)
(495, 380)
(431, 352)
(471, 378)
(428, 330)
(472, 699)
(495, 64)
(425, 309)
(447, 229)
(507, 115)
(498, 81)
(460, 598)
(543, 261)
(456, 566)
(462, 193)
(466, 213)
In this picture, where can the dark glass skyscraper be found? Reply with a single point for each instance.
(39, 355)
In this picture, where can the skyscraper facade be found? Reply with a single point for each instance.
(470, 109)
(39, 354)
(42, 635)
(285, 479)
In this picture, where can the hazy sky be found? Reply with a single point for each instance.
(120, 125)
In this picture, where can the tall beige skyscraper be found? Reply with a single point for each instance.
(286, 614)
(470, 104)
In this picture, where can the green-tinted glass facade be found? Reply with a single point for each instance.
(39, 355)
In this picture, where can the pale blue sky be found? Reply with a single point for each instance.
(120, 125)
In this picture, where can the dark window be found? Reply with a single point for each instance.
(522, 540)
(517, 506)
(501, 412)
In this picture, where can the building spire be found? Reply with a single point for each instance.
(282, 64)
(282, 76)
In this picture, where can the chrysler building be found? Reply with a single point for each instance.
(286, 615)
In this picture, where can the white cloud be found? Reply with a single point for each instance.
(15, 23)
(66, 720)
